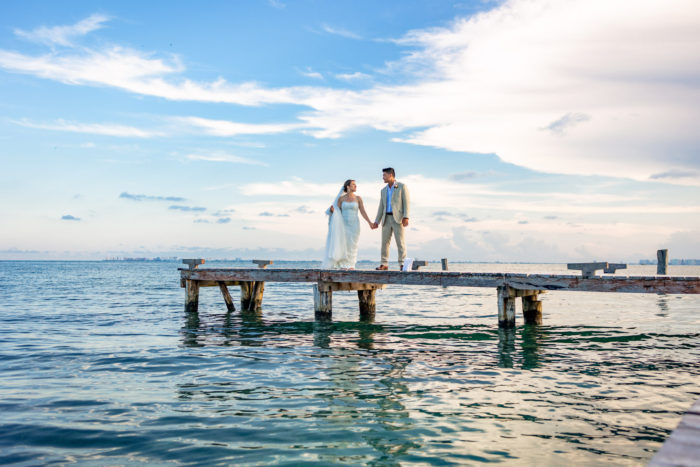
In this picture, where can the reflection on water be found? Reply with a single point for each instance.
(119, 374)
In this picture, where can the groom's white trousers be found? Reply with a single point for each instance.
(388, 227)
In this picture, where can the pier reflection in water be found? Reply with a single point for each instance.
(427, 393)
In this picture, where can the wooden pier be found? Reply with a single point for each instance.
(509, 287)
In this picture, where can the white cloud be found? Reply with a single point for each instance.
(107, 129)
(63, 35)
(357, 76)
(582, 86)
(294, 187)
(223, 157)
(228, 128)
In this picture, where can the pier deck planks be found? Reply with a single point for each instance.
(552, 282)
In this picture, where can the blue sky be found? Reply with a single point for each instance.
(526, 130)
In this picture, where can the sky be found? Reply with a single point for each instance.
(525, 130)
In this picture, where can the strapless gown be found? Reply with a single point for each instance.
(351, 222)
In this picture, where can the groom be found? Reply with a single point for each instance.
(394, 205)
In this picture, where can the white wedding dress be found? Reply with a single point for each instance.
(343, 237)
(351, 222)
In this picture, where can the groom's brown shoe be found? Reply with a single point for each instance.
(383, 267)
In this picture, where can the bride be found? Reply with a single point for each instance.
(344, 228)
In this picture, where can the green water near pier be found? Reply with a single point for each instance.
(101, 366)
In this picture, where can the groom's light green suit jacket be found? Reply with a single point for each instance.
(400, 204)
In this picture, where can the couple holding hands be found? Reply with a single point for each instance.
(344, 222)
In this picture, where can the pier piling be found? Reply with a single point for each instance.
(662, 262)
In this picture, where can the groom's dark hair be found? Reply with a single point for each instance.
(390, 171)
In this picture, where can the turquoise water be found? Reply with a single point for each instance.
(101, 366)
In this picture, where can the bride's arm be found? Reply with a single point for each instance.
(362, 210)
(340, 202)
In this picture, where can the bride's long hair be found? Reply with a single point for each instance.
(347, 184)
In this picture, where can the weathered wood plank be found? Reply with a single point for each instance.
(683, 445)
(336, 286)
(622, 284)
(193, 263)
(216, 283)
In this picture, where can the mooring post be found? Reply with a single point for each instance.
(506, 307)
(323, 303)
(368, 304)
(444, 264)
(191, 296)
(662, 262)
(227, 296)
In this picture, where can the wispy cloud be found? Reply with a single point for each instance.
(223, 212)
(106, 129)
(357, 76)
(133, 197)
(567, 121)
(69, 217)
(342, 32)
(223, 220)
(463, 176)
(187, 208)
(674, 174)
(309, 73)
(223, 157)
(228, 128)
(63, 35)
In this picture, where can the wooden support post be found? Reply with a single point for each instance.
(444, 264)
(368, 304)
(227, 296)
(532, 309)
(662, 262)
(323, 303)
(191, 296)
(252, 295)
(417, 264)
(506, 307)
(262, 263)
(257, 297)
(246, 295)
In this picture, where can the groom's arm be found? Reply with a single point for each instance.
(406, 202)
(380, 210)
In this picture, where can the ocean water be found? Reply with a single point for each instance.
(99, 365)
